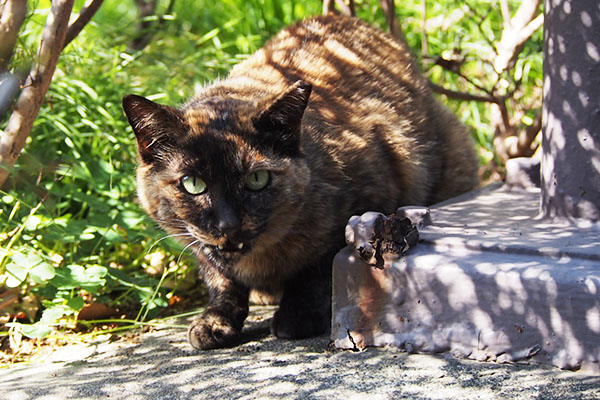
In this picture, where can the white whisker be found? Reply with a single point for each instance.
(166, 237)
(185, 248)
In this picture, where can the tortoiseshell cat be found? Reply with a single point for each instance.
(260, 172)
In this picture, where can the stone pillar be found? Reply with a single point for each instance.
(570, 169)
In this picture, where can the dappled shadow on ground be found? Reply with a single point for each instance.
(161, 365)
(489, 281)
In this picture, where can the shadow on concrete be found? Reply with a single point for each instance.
(162, 366)
(489, 281)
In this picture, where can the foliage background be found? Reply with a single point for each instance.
(71, 232)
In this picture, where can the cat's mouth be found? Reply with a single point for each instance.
(229, 246)
(224, 245)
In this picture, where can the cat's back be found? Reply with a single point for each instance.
(370, 106)
(342, 57)
(371, 116)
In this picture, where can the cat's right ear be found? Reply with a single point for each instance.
(153, 125)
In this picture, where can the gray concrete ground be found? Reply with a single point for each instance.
(161, 365)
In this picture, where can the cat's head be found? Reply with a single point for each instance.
(225, 176)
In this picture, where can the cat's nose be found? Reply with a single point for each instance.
(228, 226)
(228, 221)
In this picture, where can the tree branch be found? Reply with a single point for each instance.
(505, 10)
(517, 30)
(85, 15)
(389, 9)
(424, 44)
(531, 28)
(523, 146)
(328, 7)
(527, 11)
(347, 9)
(36, 86)
(453, 94)
(12, 15)
(147, 8)
(147, 28)
(481, 19)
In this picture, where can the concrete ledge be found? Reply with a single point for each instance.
(487, 281)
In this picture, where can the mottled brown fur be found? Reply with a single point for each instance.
(340, 115)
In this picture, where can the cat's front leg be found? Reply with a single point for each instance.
(222, 321)
(305, 308)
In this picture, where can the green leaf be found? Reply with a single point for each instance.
(96, 274)
(8, 199)
(23, 264)
(42, 272)
(27, 261)
(131, 218)
(143, 287)
(76, 276)
(32, 222)
(86, 88)
(87, 236)
(55, 312)
(65, 278)
(16, 274)
(33, 331)
(153, 307)
(160, 302)
(76, 303)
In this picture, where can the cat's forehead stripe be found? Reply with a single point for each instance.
(197, 120)
(215, 120)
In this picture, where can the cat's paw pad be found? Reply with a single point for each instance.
(211, 331)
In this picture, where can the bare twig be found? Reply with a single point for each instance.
(347, 9)
(511, 138)
(168, 11)
(12, 15)
(481, 19)
(389, 9)
(424, 44)
(85, 15)
(517, 30)
(508, 143)
(147, 8)
(508, 127)
(328, 7)
(145, 27)
(454, 66)
(529, 29)
(505, 9)
(524, 145)
(453, 94)
(36, 86)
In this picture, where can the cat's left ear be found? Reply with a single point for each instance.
(279, 125)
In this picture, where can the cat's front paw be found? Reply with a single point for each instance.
(211, 331)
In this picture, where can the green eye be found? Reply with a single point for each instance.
(193, 184)
(258, 180)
